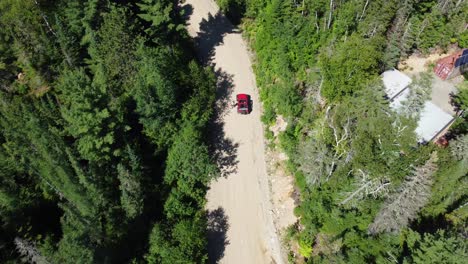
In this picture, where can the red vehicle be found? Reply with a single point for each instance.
(243, 104)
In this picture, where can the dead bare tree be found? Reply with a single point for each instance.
(330, 14)
(423, 26)
(364, 10)
(365, 187)
(443, 4)
(313, 90)
(400, 128)
(29, 251)
(459, 147)
(449, 6)
(44, 17)
(316, 22)
(459, 2)
(344, 131)
(303, 7)
(316, 161)
(405, 204)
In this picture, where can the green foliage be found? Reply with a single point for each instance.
(74, 246)
(88, 118)
(451, 181)
(158, 13)
(184, 243)
(92, 96)
(345, 70)
(198, 109)
(463, 40)
(461, 98)
(163, 21)
(33, 49)
(402, 207)
(419, 93)
(188, 171)
(103, 111)
(305, 248)
(435, 248)
(113, 52)
(155, 97)
(318, 65)
(130, 177)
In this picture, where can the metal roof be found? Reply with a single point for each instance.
(397, 102)
(395, 82)
(432, 120)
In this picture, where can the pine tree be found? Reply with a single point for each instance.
(189, 167)
(183, 243)
(404, 206)
(439, 247)
(162, 19)
(130, 175)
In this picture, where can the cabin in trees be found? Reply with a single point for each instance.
(433, 121)
(453, 65)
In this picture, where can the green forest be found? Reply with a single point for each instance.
(103, 111)
(104, 121)
(367, 192)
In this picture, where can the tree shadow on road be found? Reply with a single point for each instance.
(217, 234)
(224, 88)
(222, 148)
(211, 34)
(185, 12)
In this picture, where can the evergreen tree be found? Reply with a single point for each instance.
(436, 248)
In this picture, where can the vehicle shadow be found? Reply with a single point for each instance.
(222, 148)
(211, 34)
(217, 234)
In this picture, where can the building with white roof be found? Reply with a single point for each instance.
(395, 82)
(397, 102)
(432, 120)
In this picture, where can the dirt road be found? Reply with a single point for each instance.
(241, 229)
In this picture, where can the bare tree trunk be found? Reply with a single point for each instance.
(360, 189)
(373, 31)
(45, 20)
(319, 93)
(423, 26)
(303, 4)
(67, 56)
(404, 205)
(405, 36)
(392, 258)
(330, 14)
(443, 5)
(366, 187)
(335, 130)
(364, 10)
(316, 22)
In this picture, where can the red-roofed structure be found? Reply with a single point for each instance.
(452, 66)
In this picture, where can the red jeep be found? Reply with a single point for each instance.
(243, 104)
